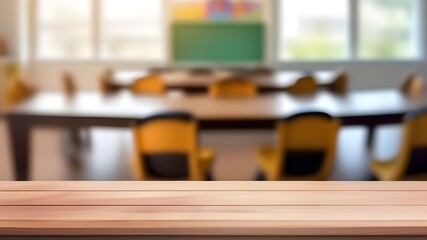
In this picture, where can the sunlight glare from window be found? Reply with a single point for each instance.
(64, 29)
(314, 30)
(387, 29)
(132, 29)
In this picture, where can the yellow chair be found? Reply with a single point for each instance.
(413, 86)
(152, 84)
(304, 85)
(166, 148)
(68, 84)
(106, 84)
(12, 68)
(16, 90)
(340, 84)
(305, 149)
(233, 87)
(388, 135)
(411, 160)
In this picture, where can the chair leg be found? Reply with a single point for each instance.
(209, 177)
(370, 137)
(73, 146)
(373, 178)
(75, 137)
(260, 176)
(80, 137)
(86, 137)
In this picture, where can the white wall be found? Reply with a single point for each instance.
(364, 75)
(47, 75)
(9, 26)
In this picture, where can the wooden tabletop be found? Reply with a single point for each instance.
(214, 208)
(125, 105)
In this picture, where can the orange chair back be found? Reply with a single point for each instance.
(304, 85)
(233, 87)
(308, 139)
(16, 90)
(149, 85)
(340, 84)
(68, 84)
(166, 146)
(413, 86)
(106, 84)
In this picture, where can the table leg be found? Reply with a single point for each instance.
(19, 130)
(76, 138)
(370, 139)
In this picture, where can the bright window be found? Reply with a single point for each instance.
(64, 29)
(314, 30)
(387, 29)
(328, 30)
(132, 29)
(100, 29)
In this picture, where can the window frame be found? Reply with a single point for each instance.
(353, 39)
(35, 35)
(272, 42)
(95, 39)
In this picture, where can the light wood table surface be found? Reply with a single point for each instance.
(214, 210)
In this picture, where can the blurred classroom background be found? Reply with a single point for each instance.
(213, 90)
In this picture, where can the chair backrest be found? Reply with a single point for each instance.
(416, 126)
(233, 87)
(413, 86)
(166, 146)
(152, 84)
(11, 69)
(307, 143)
(340, 84)
(68, 84)
(106, 81)
(304, 85)
(16, 90)
(412, 157)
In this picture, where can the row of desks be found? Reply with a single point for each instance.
(122, 109)
(199, 83)
(213, 210)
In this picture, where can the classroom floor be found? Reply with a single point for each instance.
(108, 154)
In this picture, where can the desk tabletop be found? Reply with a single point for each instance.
(124, 105)
(214, 208)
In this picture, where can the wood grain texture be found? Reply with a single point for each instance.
(213, 208)
(121, 237)
(236, 186)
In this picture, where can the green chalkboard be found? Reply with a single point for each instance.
(218, 42)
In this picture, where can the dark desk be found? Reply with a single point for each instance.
(87, 109)
(199, 83)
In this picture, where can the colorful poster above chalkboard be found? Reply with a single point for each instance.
(217, 10)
